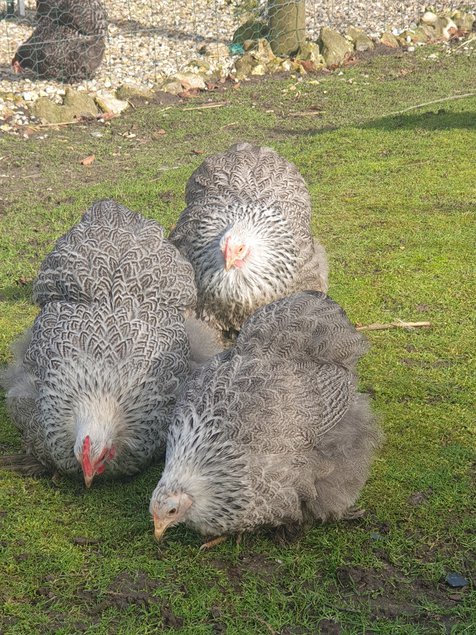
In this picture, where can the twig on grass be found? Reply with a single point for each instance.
(429, 103)
(393, 325)
(204, 107)
(307, 113)
(50, 125)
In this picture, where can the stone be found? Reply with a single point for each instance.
(215, 51)
(243, 66)
(429, 17)
(464, 21)
(172, 87)
(258, 69)
(309, 52)
(133, 91)
(29, 96)
(79, 103)
(445, 28)
(286, 65)
(456, 580)
(49, 112)
(335, 48)
(388, 39)
(261, 51)
(202, 66)
(5, 113)
(107, 102)
(75, 105)
(361, 41)
(405, 38)
(250, 30)
(190, 80)
(420, 35)
(256, 60)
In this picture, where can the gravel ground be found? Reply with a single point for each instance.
(151, 39)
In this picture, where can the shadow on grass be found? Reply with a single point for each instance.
(16, 293)
(439, 120)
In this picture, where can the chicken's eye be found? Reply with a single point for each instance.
(241, 250)
(172, 511)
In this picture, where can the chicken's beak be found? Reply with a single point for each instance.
(229, 260)
(159, 527)
(88, 480)
(229, 256)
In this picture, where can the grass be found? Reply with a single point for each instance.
(394, 200)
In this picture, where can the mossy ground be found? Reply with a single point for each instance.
(394, 200)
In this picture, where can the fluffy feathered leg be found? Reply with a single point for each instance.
(354, 513)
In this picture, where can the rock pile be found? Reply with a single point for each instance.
(249, 55)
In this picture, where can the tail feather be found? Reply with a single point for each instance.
(24, 464)
(348, 450)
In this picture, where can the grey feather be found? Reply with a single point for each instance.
(108, 352)
(204, 341)
(116, 256)
(273, 431)
(255, 196)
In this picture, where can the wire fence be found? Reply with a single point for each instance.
(143, 41)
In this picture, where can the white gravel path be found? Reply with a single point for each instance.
(151, 39)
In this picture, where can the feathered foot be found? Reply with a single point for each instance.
(286, 535)
(56, 479)
(213, 543)
(353, 513)
(25, 464)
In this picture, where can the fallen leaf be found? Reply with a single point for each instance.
(211, 86)
(105, 116)
(198, 151)
(308, 65)
(22, 281)
(156, 134)
(456, 597)
(189, 93)
(88, 160)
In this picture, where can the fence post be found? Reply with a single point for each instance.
(21, 8)
(287, 25)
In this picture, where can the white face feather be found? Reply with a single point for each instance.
(266, 271)
(102, 421)
(202, 464)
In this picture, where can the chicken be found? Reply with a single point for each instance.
(272, 431)
(68, 42)
(93, 384)
(246, 231)
(93, 388)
